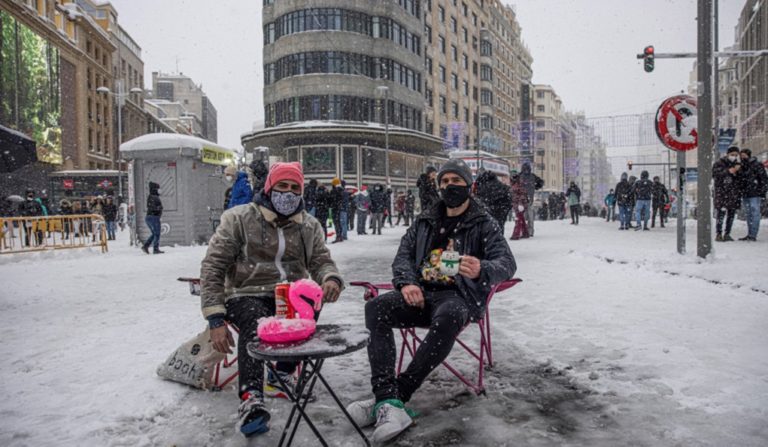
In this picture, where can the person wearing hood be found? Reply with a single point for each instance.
(622, 192)
(574, 199)
(152, 219)
(110, 217)
(322, 206)
(427, 189)
(727, 194)
(257, 246)
(531, 182)
(31, 207)
(660, 200)
(610, 206)
(257, 175)
(378, 205)
(410, 206)
(309, 197)
(426, 296)
(242, 194)
(642, 191)
(495, 195)
(753, 182)
(363, 207)
(337, 206)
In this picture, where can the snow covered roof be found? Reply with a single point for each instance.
(154, 141)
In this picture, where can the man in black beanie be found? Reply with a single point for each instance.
(431, 291)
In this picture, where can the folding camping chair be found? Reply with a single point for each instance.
(226, 370)
(411, 340)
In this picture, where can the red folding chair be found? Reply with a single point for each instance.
(411, 340)
(226, 370)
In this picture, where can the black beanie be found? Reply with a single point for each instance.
(457, 166)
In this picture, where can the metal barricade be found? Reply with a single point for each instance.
(27, 234)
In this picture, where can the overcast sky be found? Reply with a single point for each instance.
(585, 49)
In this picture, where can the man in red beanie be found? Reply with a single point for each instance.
(257, 246)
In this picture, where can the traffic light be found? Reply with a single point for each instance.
(629, 165)
(648, 58)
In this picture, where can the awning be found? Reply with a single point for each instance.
(16, 150)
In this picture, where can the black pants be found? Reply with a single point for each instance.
(337, 225)
(657, 208)
(721, 213)
(575, 214)
(324, 223)
(445, 313)
(244, 312)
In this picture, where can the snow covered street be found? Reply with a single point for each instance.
(612, 339)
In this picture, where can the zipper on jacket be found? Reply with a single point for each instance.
(280, 253)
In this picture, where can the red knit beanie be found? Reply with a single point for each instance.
(284, 171)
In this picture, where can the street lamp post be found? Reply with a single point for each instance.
(382, 91)
(120, 96)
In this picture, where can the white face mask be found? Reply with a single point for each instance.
(229, 178)
(158, 192)
(733, 157)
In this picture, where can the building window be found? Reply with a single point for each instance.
(466, 34)
(486, 97)
(486, 48)
(466, 87)
(455, 108)
(441, 13)
(540, 123)
(443, 109)
(454, 53)
(540, 108)
(428, 97)
(486, 72)
(464, 61)
(428, 64)
(454, 25)
(466, 114)
(474, 19)
(441, 72)
(454, 81)
(441, 43)
(539, 94)
(428, 32)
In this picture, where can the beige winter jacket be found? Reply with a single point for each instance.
(249, 254)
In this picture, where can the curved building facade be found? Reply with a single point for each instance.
(344, 89)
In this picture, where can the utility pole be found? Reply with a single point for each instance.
(704, 60)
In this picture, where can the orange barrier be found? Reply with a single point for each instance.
(26, 234)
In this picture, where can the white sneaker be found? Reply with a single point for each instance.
(390, 422)
(362, 412)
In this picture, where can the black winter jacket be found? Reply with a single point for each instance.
(428, 195)
(660, 194)
(378, 200)
(477, 235)
(727, 190)
(154, 205)
(622, 193)
(110, 212)
(495, 195)
(642, 189)
(753, 180)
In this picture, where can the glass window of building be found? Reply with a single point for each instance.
(540, 108)
(454, 53)
(454, 81)
(464, 9)
(465, 84)
(465, 61)
(349, 154)
(441, 13)
(455, 110)
(319, 160)
(454, 25)
(397, 164)
(374, 161)
(428, 33)
(465, 33)
(441, 43)
(441, 72)
(443, 109)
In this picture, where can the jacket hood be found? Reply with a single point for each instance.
(526, 168)
(153, 187)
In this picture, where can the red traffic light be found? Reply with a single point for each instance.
(648, 50)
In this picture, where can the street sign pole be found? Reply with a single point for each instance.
(681, 202)
(704, 113)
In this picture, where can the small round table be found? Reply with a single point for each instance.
(329, 340)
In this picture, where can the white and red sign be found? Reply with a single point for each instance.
(676, 123)
(69, 183)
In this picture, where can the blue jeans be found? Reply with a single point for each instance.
(111, 227)
(642, 212)
(624, 217)
(344, 224)
(362, 216)
(752, 211)
(153, 222)
(312, 211)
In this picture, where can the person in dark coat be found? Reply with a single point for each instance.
(154, 213)
(426, 296)
(552, 202)
(400, 209)
(574, 200)
(531, 182)
(427, 189)
(336, 205)
(624, 201)
(410, 207)
(725, 173)
(753, 183)
(378, 205)
(519, 206)
(642, 192)
(65, 209)
(496, 197)
(388, 207)
(110, 217)
(660, 200)
(322, 205)
(258, 172)
(309, 198)
(31, 207)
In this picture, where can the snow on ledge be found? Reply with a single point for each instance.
(155, 141)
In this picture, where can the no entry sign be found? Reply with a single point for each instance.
(676, 123)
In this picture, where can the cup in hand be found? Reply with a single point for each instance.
(449, 263)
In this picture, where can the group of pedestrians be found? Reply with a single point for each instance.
(643, 198)
(739, 180)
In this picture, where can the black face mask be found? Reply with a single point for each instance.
(454, 195)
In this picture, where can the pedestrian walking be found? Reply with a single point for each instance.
(410, 207)
(642, 191)
(110, 217)
(322, 204)
(624, 201)
(363, 207)
(378, 205)
(531, 182)
(574, 199)
(495, 196)
(428, 188)
(152, 219)
(753, 182)
(660, 200)
(727, 192)
(610, 206)
(520, 205)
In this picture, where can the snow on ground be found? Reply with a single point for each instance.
(612, 339)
